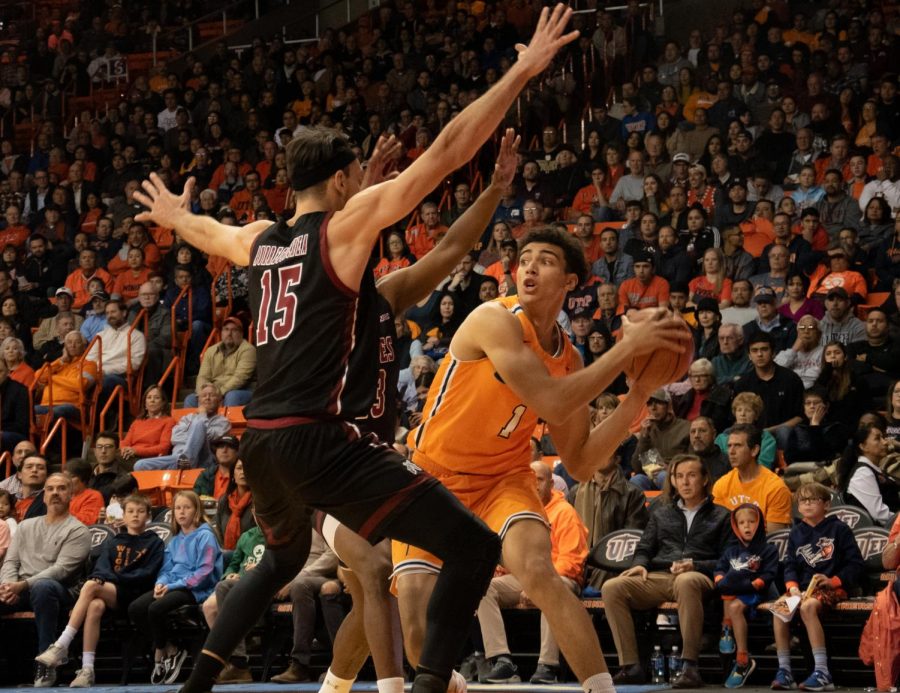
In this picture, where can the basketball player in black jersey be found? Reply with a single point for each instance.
(371, 566)
(314, 305)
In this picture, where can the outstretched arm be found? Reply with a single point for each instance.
(405, 287)
(353, 230)
(205, 233)
(492, 331)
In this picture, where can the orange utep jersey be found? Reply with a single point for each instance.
(472, 421)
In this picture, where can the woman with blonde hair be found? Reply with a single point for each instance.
(712, 283)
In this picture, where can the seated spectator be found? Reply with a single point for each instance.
(215, 479)
(192, 434)
(804, 356)
(13, 483)
(703, 446)
(837, 274)
(504, 270)
(732, 362)
(712, 282)
(398, 256)
(814, 440)
(768, 320)
(47, 327)
(120, 353)
(192, 565)
(862, 480)
(781, 389)
(644, 290)
(200, 315)
(150, 435)
(706, 333)
(53, 348)
(109, 472)
(878, 356)
(86, 502)
(796, 303)
(821, 561)
(43, 563)
(126, 568)
(320, 567)
(745, 570)
(230, 365)
(740, 311)
(77, 281)
(750, 482)
(95, 315)
(705, 397)
(128, 281)
(422, 237)
(246, 555)
(839, 323)
(14, 357)
(846, 388)
(8, 523)
(775, 278)
(662, 436)
(892, 415)
(442, 325)
(67, 381)
(30, 501)
(233, 514)
(569, 548)
(159, 331)
(670, 564)
(14, 424)
(746, 408)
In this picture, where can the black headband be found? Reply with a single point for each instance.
(309, 177)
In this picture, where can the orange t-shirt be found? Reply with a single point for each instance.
(634, 294)
(701, 287)
(14, 236)
(86, 506)
(22, 505)
(220, 484)
(127, 283)
(824, 280)
(767, 491)
(758, 233)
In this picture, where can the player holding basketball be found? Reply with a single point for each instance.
(509, 365)
(374, 609)
(314, 307)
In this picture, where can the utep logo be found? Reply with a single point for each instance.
(620, 548)
(751, 563)
(780, 543)
(848, 517)
(825, 552)
(870, 544)
(98, 538)
(412, 468)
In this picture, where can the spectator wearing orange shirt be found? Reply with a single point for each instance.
(86, 502)
(138, 237)
(645, 290)
(242, 201)
(838, 274)
(590, 243)
(150, 435)
(13, 354)
(128, 283)
(591, 199)
(233, 155)
(78, 280)
(70, 377)
(422, 237)
(15, 232)
(279, 194)
(504, 270)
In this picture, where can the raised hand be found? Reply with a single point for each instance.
(548, 38)
(387, 151)
(164, 208)
(507, 159)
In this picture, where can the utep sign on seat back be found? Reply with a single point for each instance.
(852, 516)
(615, 551)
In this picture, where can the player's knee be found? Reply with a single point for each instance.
(538, 576)
(375, 573)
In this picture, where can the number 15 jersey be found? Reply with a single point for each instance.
(473, 423)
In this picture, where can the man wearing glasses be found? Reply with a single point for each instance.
(109, 468)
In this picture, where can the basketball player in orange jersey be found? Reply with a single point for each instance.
(509, 364)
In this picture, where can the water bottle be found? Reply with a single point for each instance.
(674, 663)
(658, 665)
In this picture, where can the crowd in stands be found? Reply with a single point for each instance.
(746, 177)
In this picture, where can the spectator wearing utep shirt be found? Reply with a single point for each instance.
(45, 558)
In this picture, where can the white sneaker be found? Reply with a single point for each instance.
(53, 656)
(457, 683)
(84, 678)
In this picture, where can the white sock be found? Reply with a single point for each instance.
(66, 637)
(334, 684)
(598, 683)
(87, 660)
(391, 685)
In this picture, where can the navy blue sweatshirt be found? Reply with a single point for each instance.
(130, 560)
(747, 567)
(829, 549)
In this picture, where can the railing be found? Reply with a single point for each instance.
(135, 381)
(117, 395)
(6, 459)
(59, 425)
(172, 371)
(184, 35)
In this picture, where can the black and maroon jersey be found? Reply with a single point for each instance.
(382, 417)
(311, 330)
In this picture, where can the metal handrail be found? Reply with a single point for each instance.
(134, 388)
(118, 393)
(6, 458)
(171, 369)
(60, 423)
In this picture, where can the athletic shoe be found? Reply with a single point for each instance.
(739, 674)
(84, 678)
(470, 666)
(503, 671)
(233, 674)
(172, 665)
(818, 681)
(45, 677)
(783, 681)
(544, 674)
(295, 673)
(53, 656)
(457, 683)
(726, 642)
(158, 673)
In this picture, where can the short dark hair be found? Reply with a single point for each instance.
(760, 337)
(109, 435)
(572, 251)
(311, 148)
(754, 437)
(80, 469)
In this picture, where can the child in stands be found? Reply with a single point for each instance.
(126, 568)
(191, 568)
(744, 573)
(822, 558)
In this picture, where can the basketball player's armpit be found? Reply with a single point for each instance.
(213, 238)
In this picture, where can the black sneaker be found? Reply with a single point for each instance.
(545, 675)
(503, 671)
(172, 665)
(158, 673)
